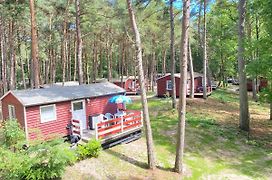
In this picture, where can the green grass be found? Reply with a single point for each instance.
(225, 97)
(211, 148)
(214, 146)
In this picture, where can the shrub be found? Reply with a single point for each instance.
(48, 161)
(12, 165)
(13, 134)
(91, 149)
(44, 161)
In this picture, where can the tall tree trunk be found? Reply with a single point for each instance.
(34, 46)
(20, 59)
(110, 63)
(199, 27)
(152, 70)
(164, 62)
(122, 64)
(69, 58)
(183, 87)
(204, 53)
(94, 61)
(172, 56)
(12, 84)
(191, 69)
(149, 138)
(244, 114)
(270, 111)
(255, 79)
(75, 59)
(3, 56)
(79, 43)
(64, 44)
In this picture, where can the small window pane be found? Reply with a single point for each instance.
(48, 113)
(77, 106)
(12, 114)
(168, 85)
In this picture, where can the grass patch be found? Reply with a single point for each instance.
(212, 148)
(225, 97)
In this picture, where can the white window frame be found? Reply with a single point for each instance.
(11, 111)
(54, 111)
(83, 105)
(167, 85)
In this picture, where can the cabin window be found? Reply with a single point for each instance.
(169, 85)
(48, 113)
(77, 106)
(11, 110)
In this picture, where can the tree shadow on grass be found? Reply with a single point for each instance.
(127, 159)
(134, 161)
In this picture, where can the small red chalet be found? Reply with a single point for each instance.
(164, 85)
(130, 84)
(45, 113)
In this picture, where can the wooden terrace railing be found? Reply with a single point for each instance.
(131, 120)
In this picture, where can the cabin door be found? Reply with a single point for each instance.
(79, 113)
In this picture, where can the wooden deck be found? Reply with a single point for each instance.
(116, 128)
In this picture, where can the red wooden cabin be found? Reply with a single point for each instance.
(45, 113)
(164, 85)
(130, 84)
(261, 83)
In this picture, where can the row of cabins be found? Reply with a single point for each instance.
(260, 84)
(164, 85)
(46, 113)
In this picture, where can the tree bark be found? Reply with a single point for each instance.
(34, 46)
(75, 59)
(191, 69)
(79, 43)
(149, 138)
(3, 56)
(255, 80)
(199, 26)
(270, 111)
(244, 113)
(12, 84)
(21, 60)
(122, 64)
(164, 62)
(179, 166)
(204, 53)
(64, 44)
(152, 72)
(172, 56)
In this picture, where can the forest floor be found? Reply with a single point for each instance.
(215, 147)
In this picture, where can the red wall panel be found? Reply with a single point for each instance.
(19, 108)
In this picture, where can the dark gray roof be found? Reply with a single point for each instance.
(65, 93)
(196, 74)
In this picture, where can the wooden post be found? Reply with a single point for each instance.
(122, 125)
(96, 131)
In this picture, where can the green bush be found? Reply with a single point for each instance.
(48, 161)
(91, 149)
(13, 134)
(43, 161)
(12, 165)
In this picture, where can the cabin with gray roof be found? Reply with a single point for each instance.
(46, 112)
(164, 85)
(129, 83)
